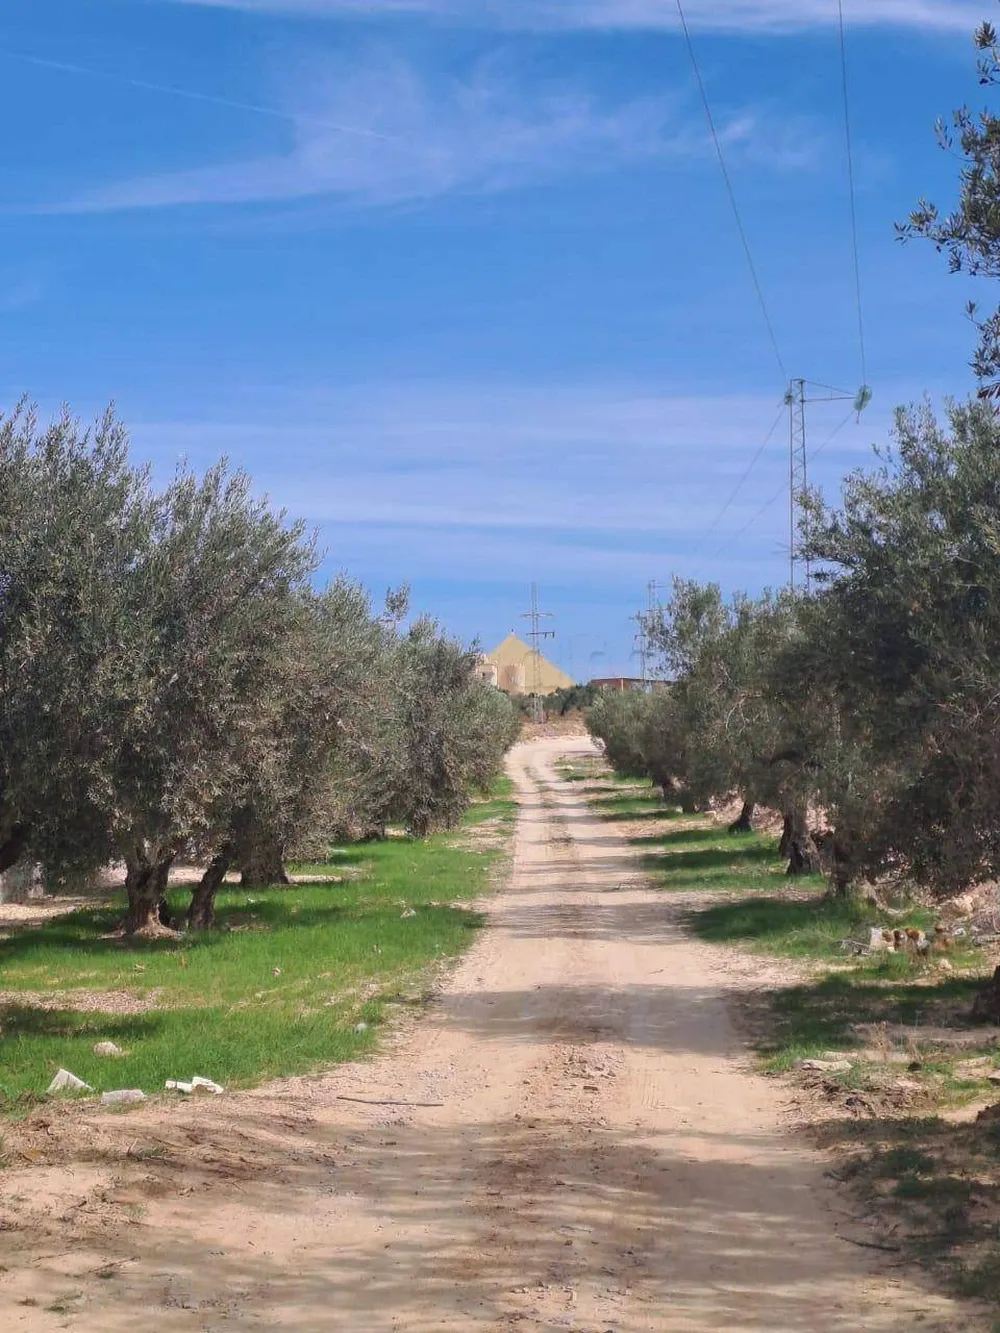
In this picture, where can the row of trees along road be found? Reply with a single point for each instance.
(173, 685)
(876, 699)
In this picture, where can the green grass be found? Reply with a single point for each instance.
(822, 1015)
(277, 988)
(789, 927)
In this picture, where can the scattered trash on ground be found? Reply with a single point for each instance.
(907, 939)
(121, 1096)
(197, 1084)
(64, 1081)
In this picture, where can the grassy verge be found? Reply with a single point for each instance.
(892, 1028)
(936, 1187)
(293, 979)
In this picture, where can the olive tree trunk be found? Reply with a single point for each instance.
(12, 846)
(201, 911)
(843, 867)
(986, 1008)
(262, 863)
(798, 845)
(145, 887)
(744, 824)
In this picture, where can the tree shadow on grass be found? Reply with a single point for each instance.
(686, 865)
(23, 1020)
(89, 932)
(935, 1187)
(732, 847)
(772, 920)
(630, 816)
(827, 1014)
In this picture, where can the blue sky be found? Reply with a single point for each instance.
(457, 280)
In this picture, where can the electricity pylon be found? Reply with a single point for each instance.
(798, 459)
(535, 634)
(645, 620)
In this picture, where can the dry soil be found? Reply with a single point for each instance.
(569, 1139)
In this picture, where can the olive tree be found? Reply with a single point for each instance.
(75, 524)
(618, 719)
(910, 580)
(450, 729)
(215, 605)
(735, 729)
(970, 233)
(317, 763)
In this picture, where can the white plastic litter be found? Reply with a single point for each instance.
(64, 1081)
(121, 1095)
(197, 1084)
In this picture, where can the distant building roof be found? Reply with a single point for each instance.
(522, 670)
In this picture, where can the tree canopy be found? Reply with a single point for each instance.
(172, 685)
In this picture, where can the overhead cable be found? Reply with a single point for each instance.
(727, 179)
(782, 491)
(743, 479)
(853, 192)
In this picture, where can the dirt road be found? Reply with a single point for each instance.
(592, 1155)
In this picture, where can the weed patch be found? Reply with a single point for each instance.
(293, 979)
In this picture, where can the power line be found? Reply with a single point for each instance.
(743, 479)
(832, 436)
(783, 490)
(730, 190)
(853, 192)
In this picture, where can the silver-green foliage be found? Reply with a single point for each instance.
(171, 684)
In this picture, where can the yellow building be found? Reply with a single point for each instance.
(517, 668)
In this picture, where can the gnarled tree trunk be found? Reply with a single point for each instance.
(744, 824)
(842, 863)
(201, 911)
(145, 886)
(798, 845)
(689, 806)
(12, 846)
(261, 863)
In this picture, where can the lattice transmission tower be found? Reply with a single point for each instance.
(796, 400)
(536, 634)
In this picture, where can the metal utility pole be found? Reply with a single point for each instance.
(644, 619)
(798, 460)
(642, 639)
(536, 634)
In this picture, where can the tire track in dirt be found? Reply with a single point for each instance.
(600, 1158)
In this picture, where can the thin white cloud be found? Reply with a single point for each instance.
(718, 15)
(412, 139)
(560, 461)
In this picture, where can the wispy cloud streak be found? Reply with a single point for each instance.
(718, 15)
(410, 139)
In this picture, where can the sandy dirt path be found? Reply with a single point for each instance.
(593, 1155)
